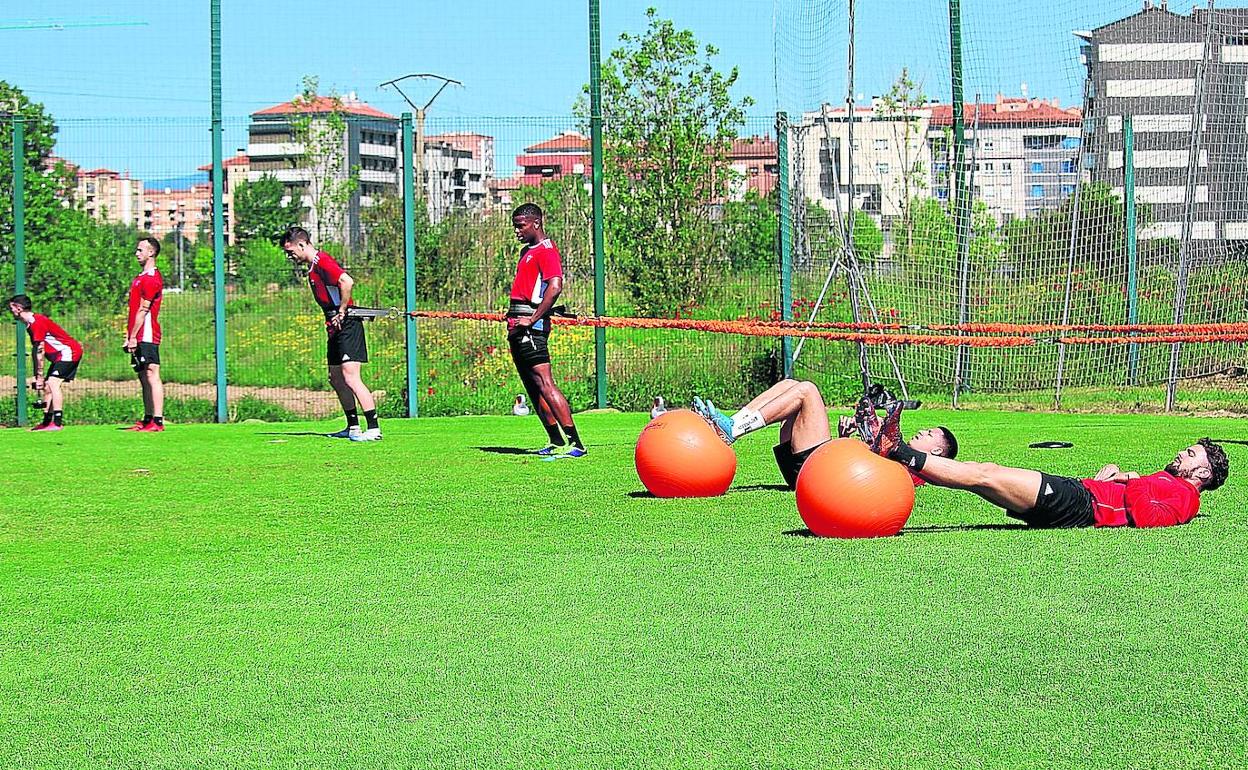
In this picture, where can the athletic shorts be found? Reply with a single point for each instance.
(145, 355)
(66, 370)
(347, 344)
(1063, 503)
(790, 462)
(530, 345)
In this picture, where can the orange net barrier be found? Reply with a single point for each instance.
(946, 335)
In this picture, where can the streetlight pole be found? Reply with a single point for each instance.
(419, 176)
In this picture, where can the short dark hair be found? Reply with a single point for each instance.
(155, 244)
(1218, 463)
(951, 442)
(527, 210)
(296, 235)
(22, 301)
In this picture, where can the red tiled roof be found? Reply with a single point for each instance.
(1036, 113)
(236, 160)
(527, 161)
(569, 141)
(754, 147)
(325, 104)
(98, 172)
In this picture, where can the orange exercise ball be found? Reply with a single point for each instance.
(846, 490)
(679, 455)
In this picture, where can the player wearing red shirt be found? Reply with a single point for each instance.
(799, 409)
(538, 283)
(63, 353)
(1112, 498)
(346, 348)
(143, 335)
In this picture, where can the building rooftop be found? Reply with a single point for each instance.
(1030, 112)
(325, 104)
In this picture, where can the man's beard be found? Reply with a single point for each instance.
(1174, 470)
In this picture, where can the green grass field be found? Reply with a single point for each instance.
(254, 596)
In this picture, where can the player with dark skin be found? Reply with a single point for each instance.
(539, 282)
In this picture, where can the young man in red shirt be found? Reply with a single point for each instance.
(539, 281)
(1112, 498)
(63, 353)
(346, 347)
(799, 408)
(143, 335)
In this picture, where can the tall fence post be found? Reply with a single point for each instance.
(218, 219)
(595, 133)
(961, 193)
(1133, 267)
(19, 254)
(786, 241)
(409, 266)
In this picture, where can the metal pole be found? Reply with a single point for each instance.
(786, 241)
(1128, 193)
(218, 218)
(964, 274)
(1185, 244)
(855, 300)
(420, 155)
(960, 191)
(1070, 251)
(19, 253)
(409, 266)
(595, 141)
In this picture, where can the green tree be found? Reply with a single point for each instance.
(670, 128)
(750, 231)
(263, 210)
(900, 106)
(82, 262)
(332, 182)
(569, 217)
(46, 184)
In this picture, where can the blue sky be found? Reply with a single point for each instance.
(136, 98)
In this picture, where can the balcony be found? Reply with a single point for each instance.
(378, 150)
(273, 150)
(378, 177)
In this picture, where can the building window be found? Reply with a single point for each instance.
(1037, 168)
(1070, 143)
(1068, 167)
(1037, 191)
(942, 193)
(1068, 189)
(1005, 166)
(989, 145)
(940, 168)
(988, 167)
(881, 144)
(1042, 142)
(881, 168)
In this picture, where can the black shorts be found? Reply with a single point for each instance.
(65, 370)
(790, 462)
(1063, 503)
(145, 355)
(530, 345)
(347, 344)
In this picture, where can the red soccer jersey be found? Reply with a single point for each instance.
(323, 278)
(149, 286)
(57, 344)
(538, 264)
(1159, 500)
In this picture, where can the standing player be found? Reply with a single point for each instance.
(143, 335)
(539, 281)
(48, 340)
(799, 408)
(346, 348)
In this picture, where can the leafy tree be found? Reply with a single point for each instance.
(899, 106)
(45, 187)
(750, 231)
(82, 262)
(670, 128)
(262, 261)
(926, 242)
(569, 220)
(262, 210)
(825, 236)
(332, 183)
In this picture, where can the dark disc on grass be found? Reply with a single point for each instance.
(1050, 445)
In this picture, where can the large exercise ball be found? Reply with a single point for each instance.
(679, 455)
(846, 490)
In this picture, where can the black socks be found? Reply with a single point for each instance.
(57, 418)
(573, 437)
(158, 420)
(552, 431)
(370, 418)
(353, 418)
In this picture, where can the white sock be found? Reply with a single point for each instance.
(747, 421)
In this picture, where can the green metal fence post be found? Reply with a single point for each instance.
(786, 240)
(409, 265)
(962, 193)
(595, 133)
(218, 219)
(1128, 193)
(19, 254)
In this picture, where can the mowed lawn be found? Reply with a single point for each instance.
(255, 596)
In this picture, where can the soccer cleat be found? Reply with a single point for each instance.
(549, 450)
(347, 432)
(721, 422)
(888, 439)
(152, 427)
(140, 425)
(699, 408)
(46, 427)
(372, 434)
(572, 453)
